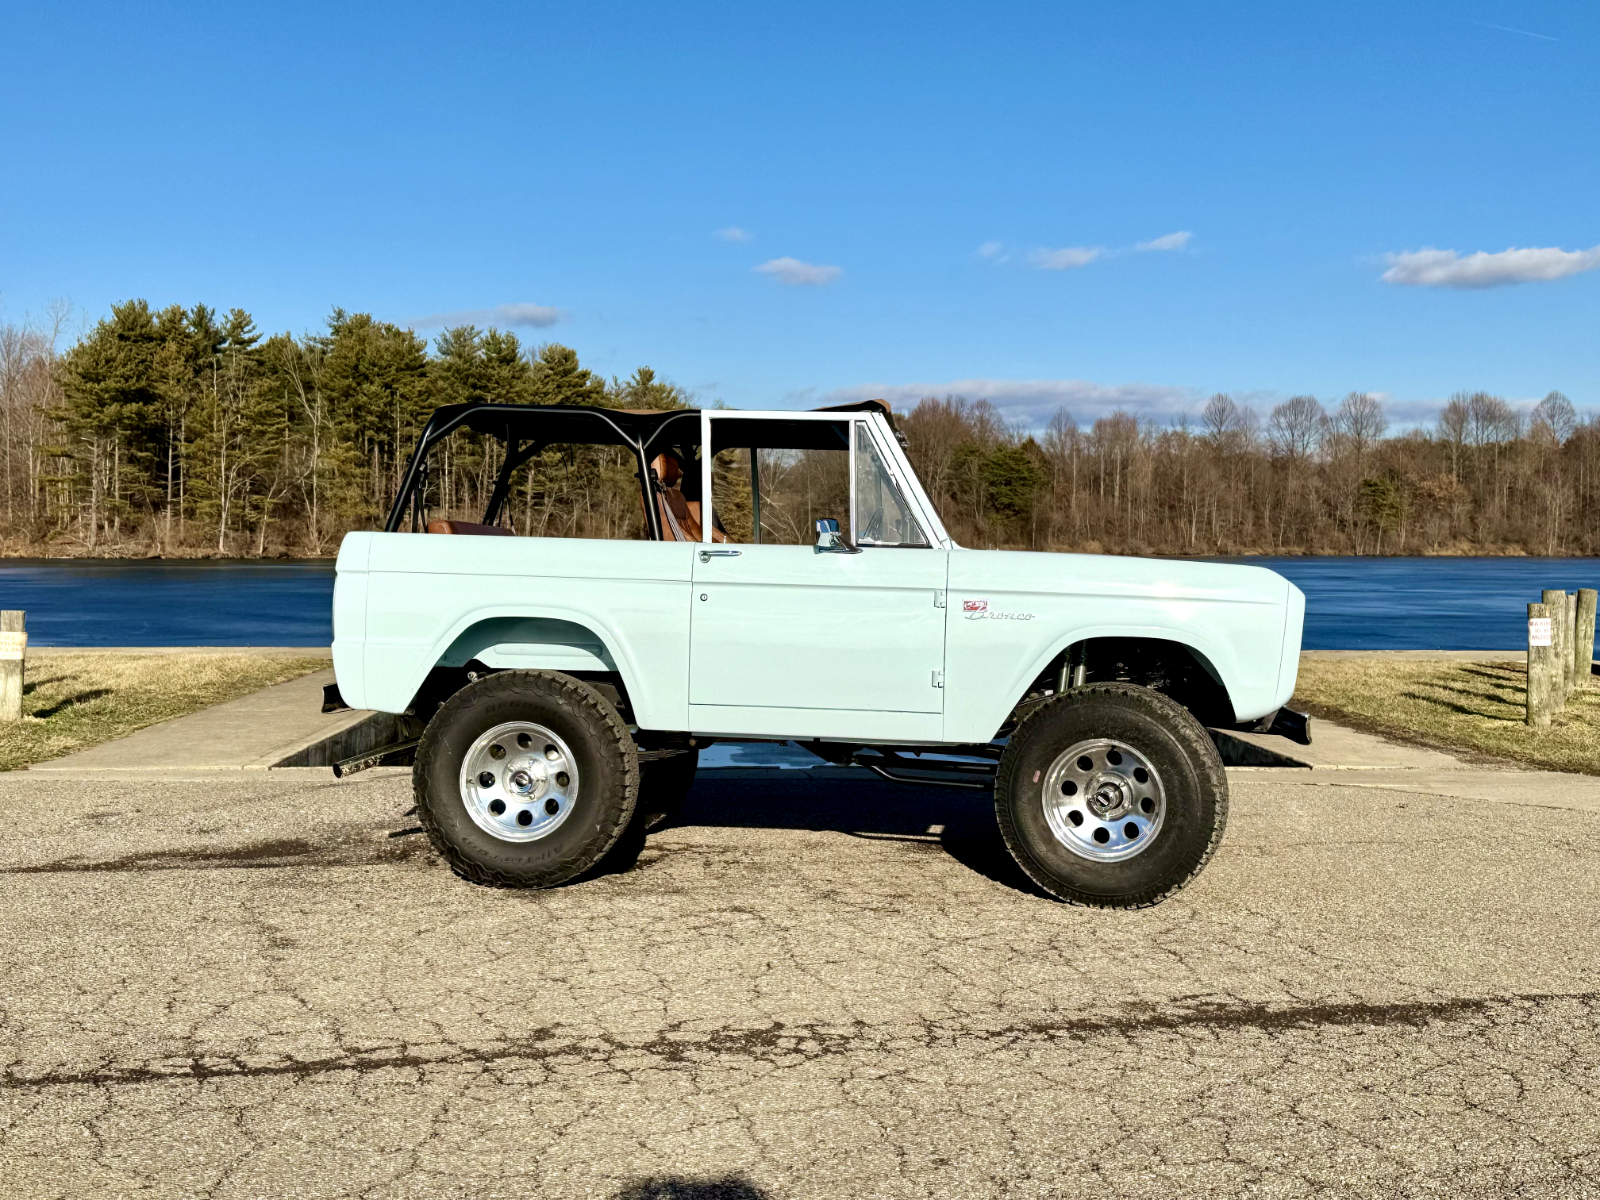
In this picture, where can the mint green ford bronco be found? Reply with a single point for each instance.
(787, 580)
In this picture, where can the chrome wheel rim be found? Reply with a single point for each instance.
(519, 781)
(1103, 800)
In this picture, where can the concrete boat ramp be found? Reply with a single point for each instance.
(279, 726)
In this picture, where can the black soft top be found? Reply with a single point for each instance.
(528, 428)
(591, 425)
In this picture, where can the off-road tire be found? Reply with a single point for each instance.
(608, 771)
(664, 784)
(1176, 745)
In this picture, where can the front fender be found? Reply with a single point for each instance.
(1011, 613)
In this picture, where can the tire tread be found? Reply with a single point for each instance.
(567, 690)
(1189, 732)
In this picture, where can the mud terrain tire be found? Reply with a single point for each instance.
(596, 748)
(1115, 732)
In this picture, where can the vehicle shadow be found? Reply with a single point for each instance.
(677, 1187)
(959, 823)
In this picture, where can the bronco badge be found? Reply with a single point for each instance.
(978, 610)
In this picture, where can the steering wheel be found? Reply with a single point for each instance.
(874, 530)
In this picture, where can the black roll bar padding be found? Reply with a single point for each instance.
(652, 511)
(419, 500)
(436, 430)
(666, 425)
(516, 456)
(425, 440)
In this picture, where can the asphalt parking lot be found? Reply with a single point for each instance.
(241, 986)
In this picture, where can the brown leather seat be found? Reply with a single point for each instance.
(680, 517)
(468, 527)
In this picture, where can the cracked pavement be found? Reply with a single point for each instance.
(242, 986)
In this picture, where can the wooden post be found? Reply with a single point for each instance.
(1541, 657)
(1555, 603)
(13, 644)
(1572, 643)
(1583, 652)
(1570, 663)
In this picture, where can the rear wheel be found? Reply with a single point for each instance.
(525, 779)
(1112, 795)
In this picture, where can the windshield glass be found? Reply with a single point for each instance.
(882, 517)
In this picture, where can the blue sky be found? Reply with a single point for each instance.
(779, 205)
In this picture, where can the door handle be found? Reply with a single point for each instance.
(708, 555)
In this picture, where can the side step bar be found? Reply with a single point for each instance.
(940, 772)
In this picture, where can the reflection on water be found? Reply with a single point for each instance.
(1351, 603)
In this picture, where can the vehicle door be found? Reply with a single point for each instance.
(782, 627)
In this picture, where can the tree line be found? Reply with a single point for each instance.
(1308, 479)
(186, 431)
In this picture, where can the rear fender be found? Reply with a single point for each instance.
(505, 639)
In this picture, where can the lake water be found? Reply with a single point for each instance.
(1351, 603)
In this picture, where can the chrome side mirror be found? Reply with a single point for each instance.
(830, 540)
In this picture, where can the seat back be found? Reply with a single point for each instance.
(468, 527)
(680, 517)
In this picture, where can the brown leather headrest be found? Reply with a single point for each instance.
(667, 470)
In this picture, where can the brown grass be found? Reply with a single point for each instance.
(1476, 709)
(71, 701)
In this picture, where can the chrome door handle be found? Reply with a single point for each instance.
(708, 555)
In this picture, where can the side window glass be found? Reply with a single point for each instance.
(772, 479)
(882, 517)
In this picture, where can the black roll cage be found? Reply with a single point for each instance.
(527, 429)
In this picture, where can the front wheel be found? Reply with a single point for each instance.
(1111, 795)
(525, 779)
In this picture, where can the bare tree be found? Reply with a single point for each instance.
(1295, 427)
(1555, 419)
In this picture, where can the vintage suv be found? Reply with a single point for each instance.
(790, 581)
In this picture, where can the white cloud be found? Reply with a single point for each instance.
(802, 274)
(504, 316)
(1167, 241)
(1030, 403)
(990, 250)
(1446, 268)
(1064, 259)
(733, 233)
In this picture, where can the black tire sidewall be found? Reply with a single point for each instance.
(607, 777)
(1176, 747)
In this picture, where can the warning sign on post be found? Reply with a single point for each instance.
(1538, 631)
